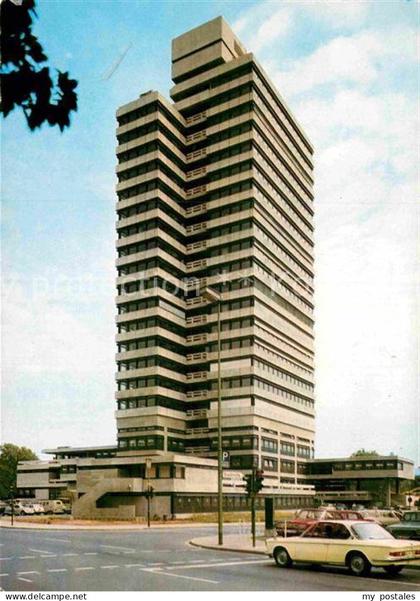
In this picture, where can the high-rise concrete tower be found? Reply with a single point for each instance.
(215, 189)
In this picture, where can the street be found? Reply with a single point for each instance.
(161, 559)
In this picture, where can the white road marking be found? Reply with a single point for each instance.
(84, 569)
(24, 579)
(48, 556)
(108, 567)
(126, 549)
(25, 573)
(216, 565)
(27, 557)
(134, 565)
(58, 570)
(69, 555)
(40, 551)
(160, 563)
(58, 540)
(160, 572)
(90, 553)
(197, 560)
(2, 575)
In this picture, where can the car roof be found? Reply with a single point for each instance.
(345, 522)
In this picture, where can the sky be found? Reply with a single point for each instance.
(348, 72)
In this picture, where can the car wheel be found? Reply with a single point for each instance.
(282, 558)
(393, 570)
(358, 564)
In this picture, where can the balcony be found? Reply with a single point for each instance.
(196, 320)
(196, 210)
(197, 394)
(196, 228)
(196, 376)
(196, 137)
(196, 246)
(196, 155)
(196, 431)
(196, 413)
(196, 300)
(196, 283)
(197, 118)
(196, 173)
(199, 264)
(197, 450)
(196, 357)
(196, 339)
(197, 191)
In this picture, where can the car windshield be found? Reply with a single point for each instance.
(370, 531)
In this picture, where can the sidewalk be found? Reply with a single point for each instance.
(74, 525)
(231, 542)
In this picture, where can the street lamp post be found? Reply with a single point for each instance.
(213, 297)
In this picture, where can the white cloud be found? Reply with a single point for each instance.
(276, 26)
(353, 59)
(266, 18)
(337, 13)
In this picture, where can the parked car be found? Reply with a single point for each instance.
(408, 528)
(306, 517)
(359, 545)
(38, 508)
(382, 516)
(53, 506)
(19, 509)
(3, 506)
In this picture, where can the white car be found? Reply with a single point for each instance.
(38, 508)
(19, 509)
(359, 545)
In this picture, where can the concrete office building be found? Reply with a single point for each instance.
(215, 190)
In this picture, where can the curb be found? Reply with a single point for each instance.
(121, 528)
(195, 543)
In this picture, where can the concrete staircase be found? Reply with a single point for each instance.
(85, 506)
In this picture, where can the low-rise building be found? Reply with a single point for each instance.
(366, 480)
(115, 486)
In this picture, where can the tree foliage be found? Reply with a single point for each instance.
(364, 453)
(25, 82)
(10, 455)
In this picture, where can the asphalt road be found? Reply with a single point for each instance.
(161, 559)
